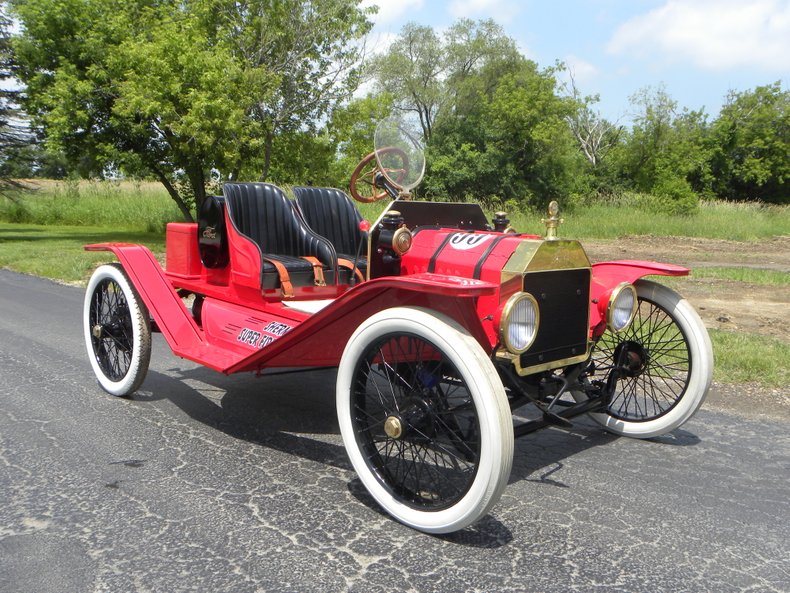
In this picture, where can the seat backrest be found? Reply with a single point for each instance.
(331, 214)
(262, 212)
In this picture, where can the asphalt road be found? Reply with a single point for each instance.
(209, 483)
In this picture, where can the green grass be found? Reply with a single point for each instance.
(715, 220)
(753, 276)
(746, 275)
(147, 206)
(746, 358)
(131, 205)
(56, 251)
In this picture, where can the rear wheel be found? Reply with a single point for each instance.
(117, 331)
(425, 419)
(669, 359)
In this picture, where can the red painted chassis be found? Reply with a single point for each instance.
(318, 339)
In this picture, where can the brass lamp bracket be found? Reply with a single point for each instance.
(553, 221)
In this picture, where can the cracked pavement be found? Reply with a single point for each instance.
(203, 482)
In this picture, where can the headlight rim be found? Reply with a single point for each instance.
(402, 240)
(504, 320)
(610, 307)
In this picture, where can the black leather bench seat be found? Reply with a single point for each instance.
(262, 213)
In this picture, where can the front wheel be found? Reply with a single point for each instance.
(669, 362)
(117, 331)
(424, 419)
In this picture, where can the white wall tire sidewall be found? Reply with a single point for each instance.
(487, 393)
(701, 353)
(141, 352)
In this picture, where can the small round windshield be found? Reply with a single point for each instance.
(399, 153)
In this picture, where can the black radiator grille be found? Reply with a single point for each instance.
(564, 299)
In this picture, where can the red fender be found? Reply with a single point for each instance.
(172, 317)
(608, 275)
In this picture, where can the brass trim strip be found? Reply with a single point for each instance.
(515, 360)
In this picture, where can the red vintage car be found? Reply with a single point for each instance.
(440, 322)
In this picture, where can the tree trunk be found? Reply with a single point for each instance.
(267, 156)
(174, 194)
(198, 182)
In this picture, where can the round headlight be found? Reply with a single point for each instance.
(518, 325)
(622, 307)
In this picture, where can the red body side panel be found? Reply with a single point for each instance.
(320, 339)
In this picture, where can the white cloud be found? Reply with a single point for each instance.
(391, 10)
(499, 10)
(714, 34)
(581, 70)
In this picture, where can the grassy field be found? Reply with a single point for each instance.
(146, 206)
(55, 251)
(142, 206)
(745, 358)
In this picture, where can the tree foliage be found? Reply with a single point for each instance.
(262, 89)
(494, 126)
(313, 50)
(172, 88)
(750, 145)
(14, 137)
(665, 152)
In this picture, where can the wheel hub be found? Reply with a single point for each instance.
(632, 358)
(393, 427)
(96, 331)
(415, 420)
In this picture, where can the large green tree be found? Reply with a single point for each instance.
(494, 125)
(314, 49)
(665, 153)
(750, 145)
(173, 88)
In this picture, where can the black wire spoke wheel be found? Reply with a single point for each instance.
(415, 421)
(424, 418)
(112, 335)
(656, 354)
(664, 361)
(117, 331)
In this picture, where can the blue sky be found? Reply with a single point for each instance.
(699, 49)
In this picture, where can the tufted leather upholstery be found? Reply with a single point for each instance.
(263, 213)
(332, 214)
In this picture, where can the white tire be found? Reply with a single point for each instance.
(672, 360)
(117, 331)
(444, 457)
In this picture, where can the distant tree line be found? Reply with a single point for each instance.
(264, 90)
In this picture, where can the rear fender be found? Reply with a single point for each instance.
(606, 276)
(172, 317)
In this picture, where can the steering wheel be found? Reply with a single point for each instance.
(363, 179)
